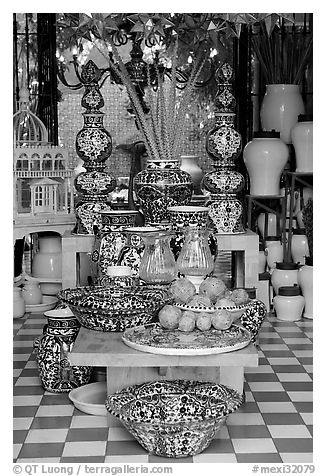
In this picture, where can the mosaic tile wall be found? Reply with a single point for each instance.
(122, 127)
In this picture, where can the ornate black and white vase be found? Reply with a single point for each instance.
(160, 186)
(94, 146)
(253, 318)
(52, 348)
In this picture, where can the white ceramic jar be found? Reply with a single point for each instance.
(299, 246)
(19, 306)
(284, 274)
(288, 304)
(305, 280)
(280, 108)
(47, 263)
(32, 293)
(274, 251)
(265, 158)
(271, 223)
(302, 139)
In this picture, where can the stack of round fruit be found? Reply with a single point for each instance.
(204, 312)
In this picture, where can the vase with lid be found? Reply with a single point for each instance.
(52, 353)
(289, 303)
(305, 280)
(299, 246)
(161, 185)
(265, 158)
(284, 274)
(93, 146)
(302, 139)
(19, 306)
(47, 262)
(280, 108)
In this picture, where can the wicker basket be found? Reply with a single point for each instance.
(175, 418)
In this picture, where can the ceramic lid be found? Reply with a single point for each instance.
(273, 238)
(286, 266)
(305, 118)
(267, 134)
(264, 276)
(289, 291)
(298, 231)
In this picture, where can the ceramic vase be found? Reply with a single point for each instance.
(47, 263)
(274, 251)
(32, 293)
(265, 158)
(284, 274)
(189, 163)
(271, 229)
(302, 139)
(280, 109)
(299, 246)
(159, 186)
(289, 303)
(18, 303)
(305, 280)
(52, 349)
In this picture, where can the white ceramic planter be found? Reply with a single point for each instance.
(274, 252)
(265, 158)
(47, 263)
(284, 274)
(305, 280)
(271, 224)
(302, 139)
(281, 106)
(288, 305)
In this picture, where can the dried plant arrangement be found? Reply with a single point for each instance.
(163, 126)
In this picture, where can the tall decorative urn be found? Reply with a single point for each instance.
(223, 145)
(94, 146)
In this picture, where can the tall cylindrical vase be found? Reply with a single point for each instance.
(280, 109)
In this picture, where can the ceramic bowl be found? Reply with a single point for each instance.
(174, 418)
(184, 216)
(114, 309)
(117, 219)
(90, 398)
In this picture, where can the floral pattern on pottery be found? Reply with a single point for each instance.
(223, 143)
(88, 215)
(114, 309)
(224, 181)
(95, 182)
(224, 98)
(174, 418)
(93, 144)
(92, 98)
(52, 348)
(160, 188)
(226, 214)
(253, 318)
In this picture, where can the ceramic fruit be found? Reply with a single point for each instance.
(169, 316)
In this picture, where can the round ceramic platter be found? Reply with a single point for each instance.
(48, 302)
(211, 309)
(152, 338)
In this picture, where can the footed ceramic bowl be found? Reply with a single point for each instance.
(114, 309)
(174, 418)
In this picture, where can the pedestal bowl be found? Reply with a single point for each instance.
(174, 418)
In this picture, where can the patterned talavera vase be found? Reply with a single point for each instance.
(109, 240)
(93, 146)
(225, 209)
(159, 186)
(52, 348)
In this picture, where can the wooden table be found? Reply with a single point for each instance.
(127, 366)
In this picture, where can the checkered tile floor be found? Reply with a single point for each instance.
(273, 426)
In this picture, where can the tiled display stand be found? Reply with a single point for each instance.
(127, 366)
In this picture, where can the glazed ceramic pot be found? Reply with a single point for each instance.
(265, 158)
(189, 163)
(52, 349)
(159, 186)
(280, 109)
(302, 139)
(305, 280)
(19, 306)
(274, 251)
(224, 142)
(271, 224)
(32, 293)
(284, 274)
(226, 213)
(289, 303)
(47, 263)
(117, 220)
(299, 246)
